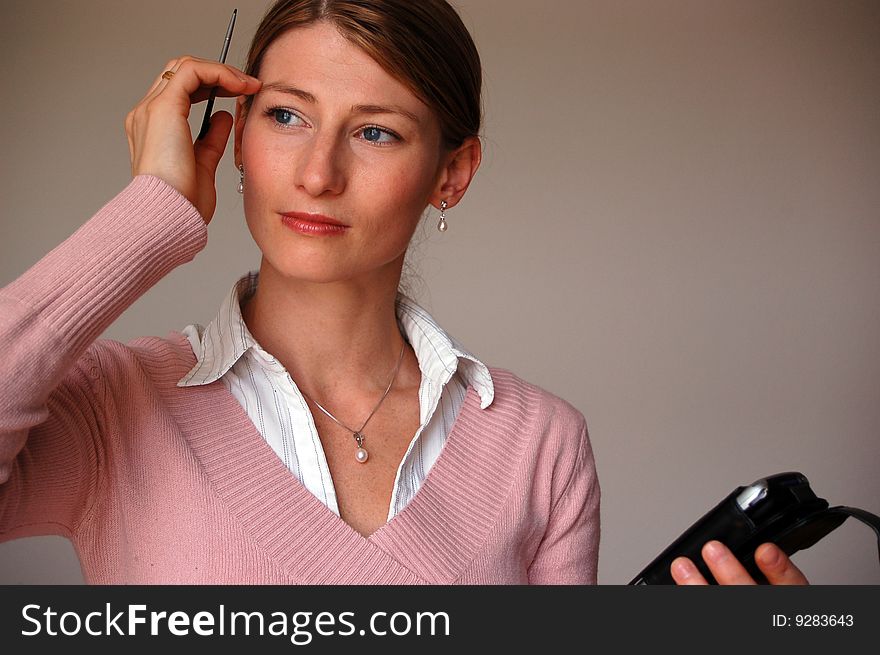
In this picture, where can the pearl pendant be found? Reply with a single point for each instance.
(361, 455)
(442, 225)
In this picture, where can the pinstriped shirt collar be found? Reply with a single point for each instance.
(227, 338)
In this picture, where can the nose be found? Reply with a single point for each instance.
(321, 168)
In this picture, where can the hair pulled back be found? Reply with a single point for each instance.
(421, 43)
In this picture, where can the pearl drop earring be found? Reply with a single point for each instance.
(241, 178)
(442, 224)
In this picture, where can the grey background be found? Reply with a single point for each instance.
(676, 227)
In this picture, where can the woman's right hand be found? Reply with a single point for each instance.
(159, 138)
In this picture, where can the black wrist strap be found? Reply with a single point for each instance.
(871, 520)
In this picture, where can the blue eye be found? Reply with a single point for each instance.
(374, 134)
(284, 117)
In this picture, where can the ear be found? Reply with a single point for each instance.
(457, 169)
(240, 120)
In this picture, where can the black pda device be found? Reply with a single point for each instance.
(780, 508)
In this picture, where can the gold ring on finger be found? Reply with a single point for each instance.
(167, 75)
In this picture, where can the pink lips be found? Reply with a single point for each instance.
(313, 224)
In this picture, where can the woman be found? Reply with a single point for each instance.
(383, 451)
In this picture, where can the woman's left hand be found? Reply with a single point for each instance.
(727, 570)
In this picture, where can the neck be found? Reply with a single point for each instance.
(337, 340)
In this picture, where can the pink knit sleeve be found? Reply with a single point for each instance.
(569, 551)
(50, 387)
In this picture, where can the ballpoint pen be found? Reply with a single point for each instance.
(206, 121)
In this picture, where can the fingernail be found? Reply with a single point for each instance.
(770, 555)
(682, 568)
(715, 551)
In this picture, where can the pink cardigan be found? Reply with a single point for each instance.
(155, 483)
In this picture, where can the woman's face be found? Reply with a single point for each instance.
(332, 134)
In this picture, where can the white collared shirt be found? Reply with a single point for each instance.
(226, 350)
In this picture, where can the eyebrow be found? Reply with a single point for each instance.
(355, 109)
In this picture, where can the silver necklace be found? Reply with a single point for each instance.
(361, 453)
